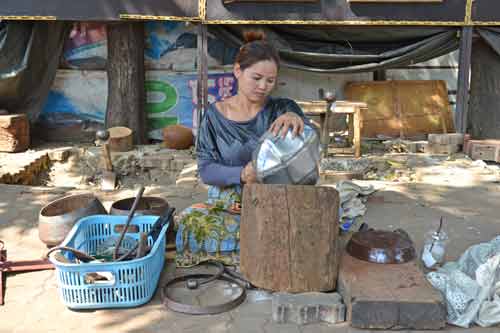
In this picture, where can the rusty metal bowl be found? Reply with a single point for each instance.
(382, 247)
(56, 219)
(146, 206)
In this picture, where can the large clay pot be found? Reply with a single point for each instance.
(178, 137)
(146, 206)
(58, 217)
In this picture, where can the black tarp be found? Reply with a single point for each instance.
(484, 106)
(446, 10)
(351, 49)
(29, 57)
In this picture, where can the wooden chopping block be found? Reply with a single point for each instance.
(289, 237)
(392, 296)
(14, 133)
(120, 139)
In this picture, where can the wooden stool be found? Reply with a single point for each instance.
(353, 109)
(14, 133)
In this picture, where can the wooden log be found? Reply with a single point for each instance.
(120, 139)
(389, 296)
(289, 237)
(14, 133)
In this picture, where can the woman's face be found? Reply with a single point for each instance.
(257, 81)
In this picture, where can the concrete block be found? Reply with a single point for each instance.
(433, 148)
(187, 181)
(446, 139)
(162, 162)
(307, 308)
(484, 152)
(190, 170)
(60, 155)
(178, 164)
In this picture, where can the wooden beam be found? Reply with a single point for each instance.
(463, 83)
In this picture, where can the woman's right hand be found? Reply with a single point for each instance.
(248, 174)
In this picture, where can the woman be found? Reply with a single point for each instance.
(228, 135)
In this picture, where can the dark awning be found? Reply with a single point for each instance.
(98, 10)
(350, 49)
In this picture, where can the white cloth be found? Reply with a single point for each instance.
(471, 285)
(350, 201)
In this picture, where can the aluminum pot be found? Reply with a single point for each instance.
(289, 160)
(146, 206)
(56, 219)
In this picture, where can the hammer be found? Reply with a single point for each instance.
(108, 181)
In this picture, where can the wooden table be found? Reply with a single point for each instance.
(355, 111)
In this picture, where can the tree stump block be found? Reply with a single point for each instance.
(120, 139)
(289, 237)
(14, 133)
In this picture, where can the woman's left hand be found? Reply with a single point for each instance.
(286, 121)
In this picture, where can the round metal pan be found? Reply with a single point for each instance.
(382, 247)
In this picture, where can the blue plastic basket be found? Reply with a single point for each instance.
(130, 283)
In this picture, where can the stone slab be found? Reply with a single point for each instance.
(397, 296)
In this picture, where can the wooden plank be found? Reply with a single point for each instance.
(389, 296)
(262, 228)
(289, 237)
(403, 108)
(357, 120)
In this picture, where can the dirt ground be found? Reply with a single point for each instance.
(463, 192)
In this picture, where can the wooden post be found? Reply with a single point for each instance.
(289, 237)
(126, 76)
(358, 121)
(202, 83)
(463, 80)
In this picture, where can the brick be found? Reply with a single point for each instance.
(307, 308)
(433, 148)
(161, 162)
(484, 152)
(446, 139)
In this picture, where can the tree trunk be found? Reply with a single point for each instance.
(484, 114)
(126, 91)
(288, 237)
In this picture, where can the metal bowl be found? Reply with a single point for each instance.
(146, 206)
(56, 219)
(382, 247)
(289, 160)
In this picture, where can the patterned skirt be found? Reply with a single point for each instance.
(210, 230)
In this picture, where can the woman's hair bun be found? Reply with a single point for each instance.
(253, 35)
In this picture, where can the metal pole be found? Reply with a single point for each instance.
(202, 84)
(463, 83)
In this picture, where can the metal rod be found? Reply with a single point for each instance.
(463, 83)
